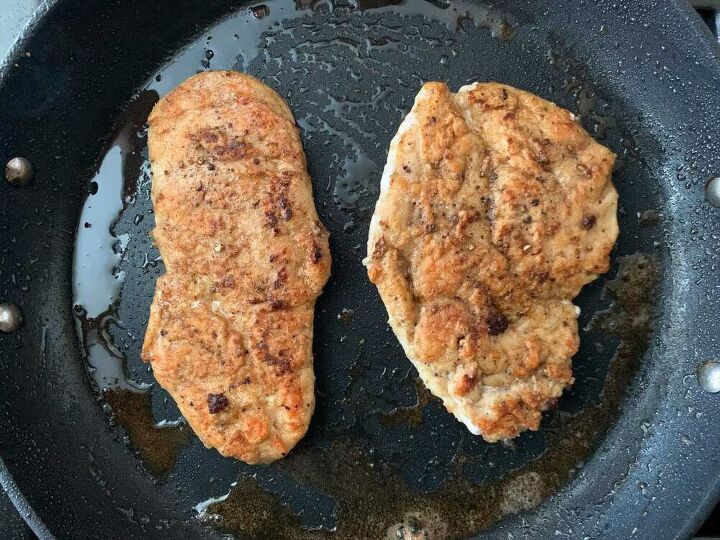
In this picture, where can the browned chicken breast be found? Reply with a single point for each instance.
(231, 324)
(496, 207)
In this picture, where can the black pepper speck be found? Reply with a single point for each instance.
(217, 403)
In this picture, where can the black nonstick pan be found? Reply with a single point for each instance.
(91, 448)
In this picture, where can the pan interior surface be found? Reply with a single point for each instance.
(350, 75)
(382, 457)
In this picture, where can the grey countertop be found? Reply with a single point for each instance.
(13, 17)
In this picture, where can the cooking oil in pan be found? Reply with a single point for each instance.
(99, 275)
(99, 248)
(157, 443)
(350, 72)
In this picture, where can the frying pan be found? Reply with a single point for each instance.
(92, 449)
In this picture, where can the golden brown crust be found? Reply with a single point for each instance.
(496, 207)
(231, 324)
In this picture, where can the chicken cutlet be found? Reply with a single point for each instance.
(231, 324)
(495, 208)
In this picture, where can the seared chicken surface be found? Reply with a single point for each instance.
(496, 207)
(231, 324)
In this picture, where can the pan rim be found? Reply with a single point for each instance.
(21, 504)
(9, 486)
(693, 522)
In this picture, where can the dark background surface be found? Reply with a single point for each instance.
(12, 526)
(12, 19)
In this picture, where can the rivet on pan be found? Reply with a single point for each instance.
(709, 377)
(712, 191)
(18, 171)
(11, 318)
